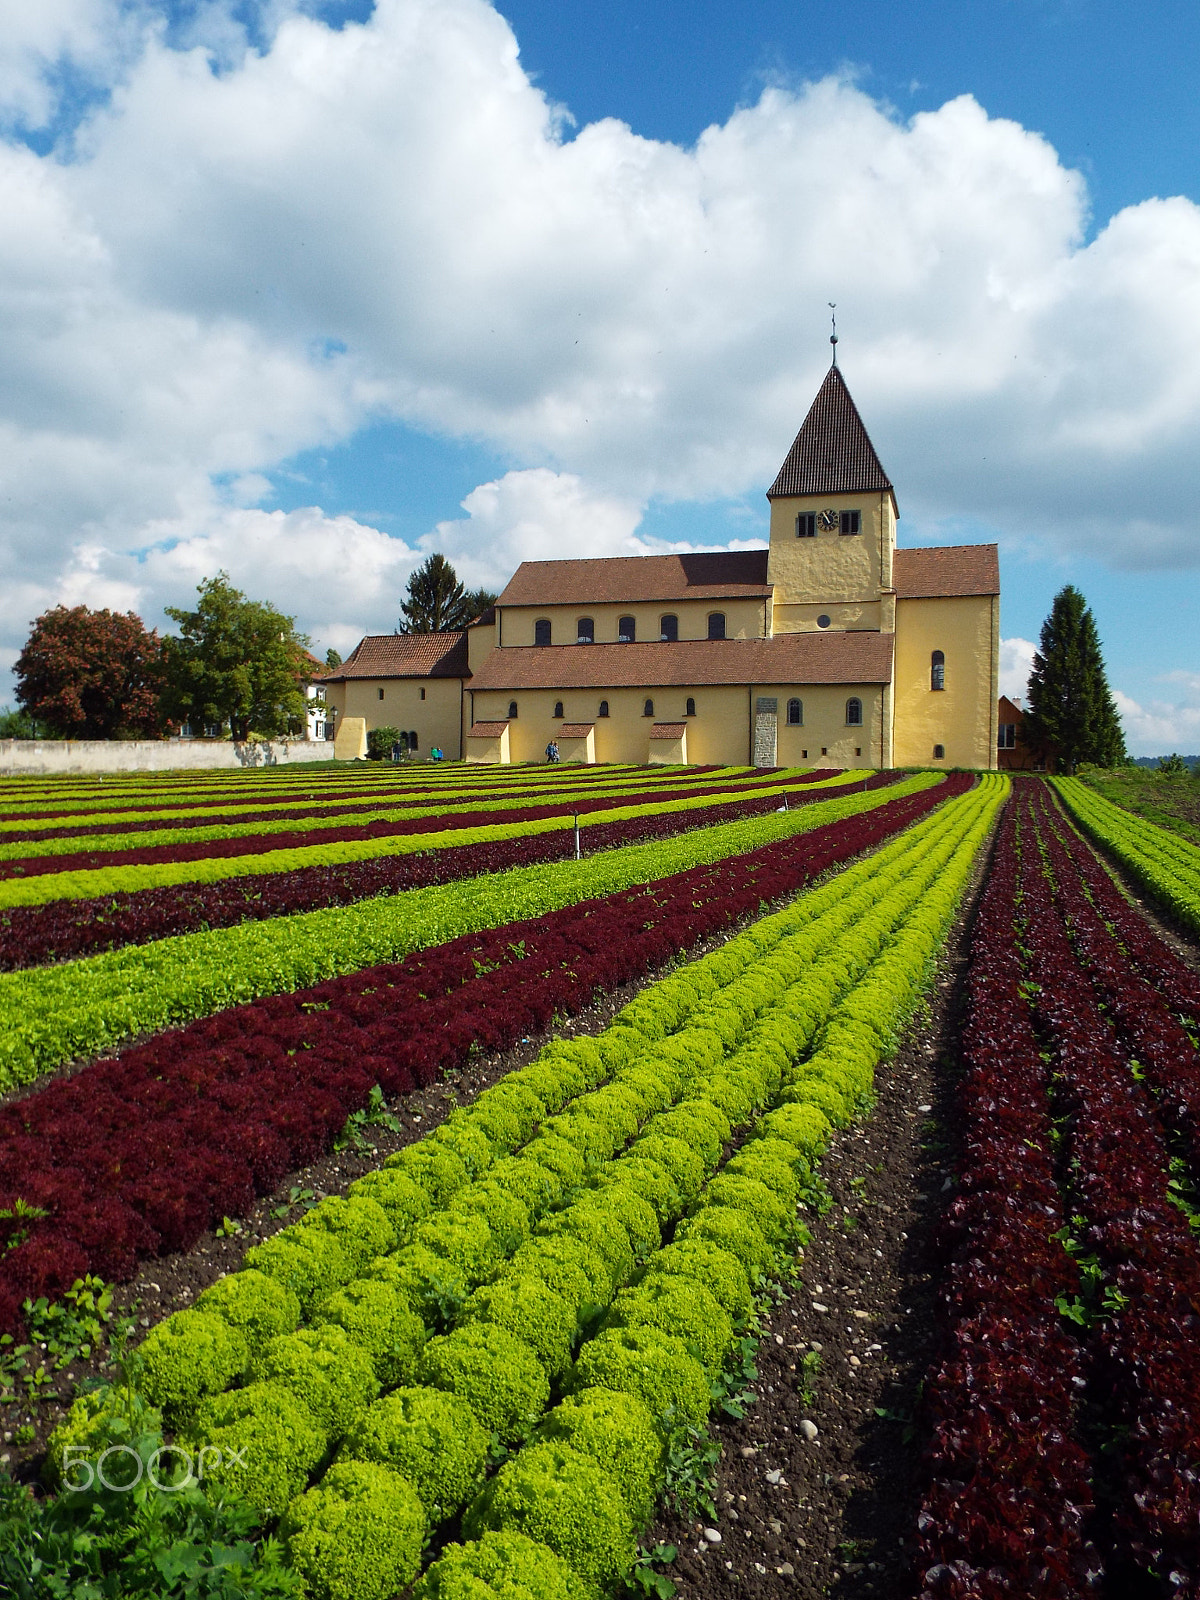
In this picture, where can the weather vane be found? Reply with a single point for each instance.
(832, 304)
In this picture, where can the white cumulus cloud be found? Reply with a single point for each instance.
(1016, 663)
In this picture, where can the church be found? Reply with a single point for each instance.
(830, 648)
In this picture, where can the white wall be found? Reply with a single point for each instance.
(19, 756)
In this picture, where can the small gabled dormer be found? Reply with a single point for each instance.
(833, 523)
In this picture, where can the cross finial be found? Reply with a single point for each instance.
(832, 304)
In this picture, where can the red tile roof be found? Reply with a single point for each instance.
(788, 658)
(832, 453)
(404, 655)
(486, 730)
(576, 730)
(625, 580)
(668, 730)
(946, 571)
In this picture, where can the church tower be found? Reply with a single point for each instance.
(833, 524)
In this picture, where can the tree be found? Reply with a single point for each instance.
(1172, 766)
(437, 601)
(236, 661)
(1071, 710)
(91, 674)
(16, 724)
(332, 659)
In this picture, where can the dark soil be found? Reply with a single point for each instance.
(834, 1514)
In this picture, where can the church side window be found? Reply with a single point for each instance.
(626, 630)
(558, 708)
(854, 712)
(668, 629)
(937, 670)
(806, 525)
(849, 522)
(541, 631)
(603, 711)
(716, 624)
(795, 713)
(512, 709)
(585, 631)
(690, 708)
(648, 709)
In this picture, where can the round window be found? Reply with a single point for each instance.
(823, 621)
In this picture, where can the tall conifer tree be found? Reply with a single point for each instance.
(1072, 717)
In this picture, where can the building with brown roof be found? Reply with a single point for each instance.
(412, 682)
(830, 647)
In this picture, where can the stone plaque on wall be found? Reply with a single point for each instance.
(766, 718)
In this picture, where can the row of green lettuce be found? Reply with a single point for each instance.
(1165, 865)
(559, 1273)
(52, 1015)
(90, 882)
(374, 806)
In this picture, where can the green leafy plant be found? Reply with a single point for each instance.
(810, 1366)
(645, 1579)
(690, 1471)
(374, 1114)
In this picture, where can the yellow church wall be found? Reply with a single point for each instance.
(865, 616)
(718, 734)
(833, 568)
(436, 719)
(961, 717)
(481, 641)
(824, 739)
(744, 619)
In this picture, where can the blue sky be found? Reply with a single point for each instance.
(307, 291)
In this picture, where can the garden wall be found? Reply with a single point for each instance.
(22, 756)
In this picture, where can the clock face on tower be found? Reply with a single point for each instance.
(827, 521)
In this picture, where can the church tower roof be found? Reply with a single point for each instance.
(832, 453)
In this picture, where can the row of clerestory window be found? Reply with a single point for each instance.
(795, 711)
(557, 714)
(668, 629)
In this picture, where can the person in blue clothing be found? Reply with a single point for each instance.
(552, 752)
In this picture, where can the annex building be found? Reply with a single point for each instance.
(832, 647)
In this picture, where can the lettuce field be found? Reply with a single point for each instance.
(469, 1184)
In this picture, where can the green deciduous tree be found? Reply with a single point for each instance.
(91, 674)
(437, 601)
(236, 661)
(1071, 713)
(332, 659)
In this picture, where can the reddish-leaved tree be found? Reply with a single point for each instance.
(91, 674)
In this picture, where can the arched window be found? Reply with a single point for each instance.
(603, 711)
(512, 709)
(691, 708)
(668, 629)
(939, 752)
(585, 631)
(796, 713)
(937, 670)
(558, 710)
(854, 712)
(648, 709)
(412, 739)
(716, 624)
(381, 694)
(626, 630)
(541, 631)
